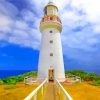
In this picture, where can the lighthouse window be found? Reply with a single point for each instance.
(51, 54)
(45, 11)
(51, 32)
(51, 41)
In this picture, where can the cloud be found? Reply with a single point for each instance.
(19, 27)
(8, 9)
(81, 24)
(79, 20)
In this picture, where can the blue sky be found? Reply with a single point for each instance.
(20, 36)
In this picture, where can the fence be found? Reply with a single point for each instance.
(38, 93)
(30, 80)
(63, 95)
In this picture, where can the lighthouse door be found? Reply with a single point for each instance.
(51, 75)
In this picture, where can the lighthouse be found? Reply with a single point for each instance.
(51, 63)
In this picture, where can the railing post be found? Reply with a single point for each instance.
(42, 90)
(65, 97)
(35, 97)
(59, 89)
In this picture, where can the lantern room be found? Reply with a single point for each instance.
(51, 18)
(51, 9)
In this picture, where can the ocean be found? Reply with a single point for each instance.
(7, 73)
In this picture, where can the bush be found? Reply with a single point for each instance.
(89, 77)
(15, 79)
(79, 73)
(10, 80)
(1, 82)
(97, 78)
(84, 75)
(96, 83)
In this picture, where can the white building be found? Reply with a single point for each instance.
(51, 56)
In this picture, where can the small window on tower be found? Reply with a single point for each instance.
(51, 41)
(51, 31)
(51, 54)
(45, 11)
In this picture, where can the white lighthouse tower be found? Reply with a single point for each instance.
(51, 56)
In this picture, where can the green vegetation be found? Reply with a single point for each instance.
(15, 79)
(1, 82)
(96, 83)
(85, 76)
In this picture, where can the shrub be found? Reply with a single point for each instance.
(89, 77)
(15, 79)
(10, 80)
(84, 75)
(96, 83)
(1, 82)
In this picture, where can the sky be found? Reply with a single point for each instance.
(20, 37)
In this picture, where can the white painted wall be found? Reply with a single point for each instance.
(45, 60)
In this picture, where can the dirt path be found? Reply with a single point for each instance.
(83, 91)
(16, 92)
(50, 92)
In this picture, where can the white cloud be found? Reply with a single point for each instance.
(80, 40)
(81, 25)
(80, 18)
(8, 9)
(28, 15)
(21, 30)
(61, 3)
(90, 7)
(4, 21)
(96, 28)
(26, 39)
(19, 24)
